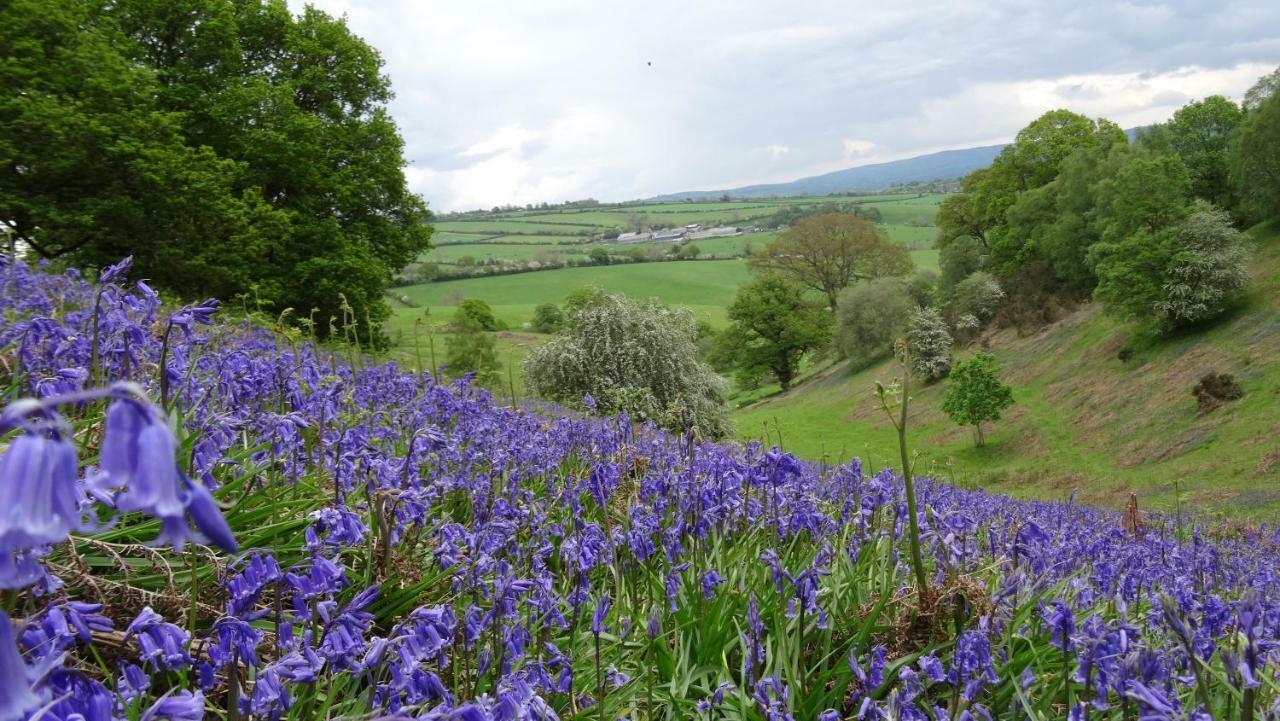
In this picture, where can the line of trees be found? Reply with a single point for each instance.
(1072, 210)
(229, 147)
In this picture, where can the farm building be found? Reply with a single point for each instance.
(713, 233)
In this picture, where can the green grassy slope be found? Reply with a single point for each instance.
(1084, 421)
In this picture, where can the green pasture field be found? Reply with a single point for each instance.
(705, 287)
(503, 251)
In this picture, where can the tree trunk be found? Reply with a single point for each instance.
(977, 429)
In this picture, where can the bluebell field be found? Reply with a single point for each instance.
(209, 520)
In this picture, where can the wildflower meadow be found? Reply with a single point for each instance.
(207, 519)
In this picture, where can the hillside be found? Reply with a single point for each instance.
(357, 541)
(1084, 421)
(863, 178)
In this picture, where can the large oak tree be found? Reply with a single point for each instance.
(230, 147)
(828, 252)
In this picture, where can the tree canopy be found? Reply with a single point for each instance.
(976, 394)
(229, 147)
(828, 252)
(775, 325)
(1254, 164)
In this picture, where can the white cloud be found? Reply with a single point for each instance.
(776, 151)
(524, 102)
(856, 148)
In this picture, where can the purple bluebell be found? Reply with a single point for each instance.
(709, 581)
(39, 499)
(601, 615)
(60, 626)
(177, 706)
(1062, 623)
(16, 696)
(138, 456)
(132, 683)
(163, 645)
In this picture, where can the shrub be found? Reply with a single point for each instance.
(1207, 271)
(1215, 388)
(599, 256)
(977, 295)
(976, 394)
(633, 357)
(1031, 300)
(930, 344)
(580, 298)
(468, 349)
(923, 288)
(547, 318)
(959, 259)
(479, 312)
(870, 317)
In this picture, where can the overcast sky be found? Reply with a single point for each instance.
(527, 101)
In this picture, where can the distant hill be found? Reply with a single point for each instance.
(864, 178)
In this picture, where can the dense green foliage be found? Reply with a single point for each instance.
(547, 318)
(477, 312)
(774, 326)
(828, 252)
(1071, 209)
(1255, 159)
(872, 315)
(231, 148)
(469, 349)
(975, 394)
(619, 355)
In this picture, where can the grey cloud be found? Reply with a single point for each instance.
(729, 79)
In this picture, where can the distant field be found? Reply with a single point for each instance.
(705, 287)
(926, 259)
(482, 227)
(503, 251)
(897, 209)
(914, 237)
(499, 236)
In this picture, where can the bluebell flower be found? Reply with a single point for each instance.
(76, 697)
(932, 668)
(180, 706)
(163, 645)
(60, 626)
(199, 314)
(709, 581)
(138, 456)
(132, 683)
(39, 499)
(16, 697)
(601, 615)
(654, 625)
(112, 273)
(1062, 623)
(235, 641)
